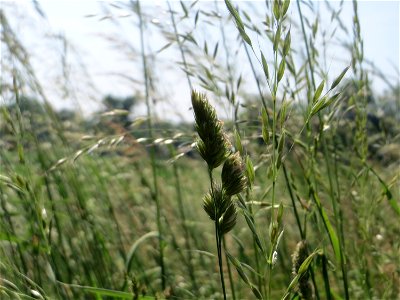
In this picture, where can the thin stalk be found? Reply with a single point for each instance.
(218, 238)
(7, 217)
(325, 275)
(96, 246)
(274, 166)
(340, 225)
(361, 137)
(296, 214)
(272, 246)
(229, 69)
(303, 30)
(235, 126)
(57, 225)
(314, 284)
(152, 150)
(261, 283)
(219, 248)
(184, 226)
(231, 282)
(184, 61)
(180, 45)
(111, 211)
(337, 214)
(253, 71)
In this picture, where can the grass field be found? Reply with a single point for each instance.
(296, 196)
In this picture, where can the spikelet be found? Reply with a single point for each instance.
(213, 145)
(220, 207)
(298, 257)
(233, 175)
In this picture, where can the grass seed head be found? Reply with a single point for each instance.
(233, 175)
(213, 144)
(219, 206)
(228, 219)
(298, 257)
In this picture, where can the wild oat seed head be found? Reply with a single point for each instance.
(233, 175)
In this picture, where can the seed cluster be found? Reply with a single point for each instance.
(214, 147)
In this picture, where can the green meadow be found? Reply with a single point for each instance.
(285, 190)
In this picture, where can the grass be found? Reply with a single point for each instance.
(301, 204)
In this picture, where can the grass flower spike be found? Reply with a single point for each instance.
(233, 175)
(214, 147)
(298, 257)
(213, 144)
(220, 208)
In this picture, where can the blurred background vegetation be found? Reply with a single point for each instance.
(89, 201)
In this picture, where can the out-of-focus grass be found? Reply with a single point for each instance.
(75, 221)
(82, 202)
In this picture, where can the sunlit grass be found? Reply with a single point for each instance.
(109, 207)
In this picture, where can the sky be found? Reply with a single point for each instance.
(89, 36)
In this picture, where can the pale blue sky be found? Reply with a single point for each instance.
(379, 25)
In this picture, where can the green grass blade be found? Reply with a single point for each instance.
(106, 292)
(135, 245)
(331, 232)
